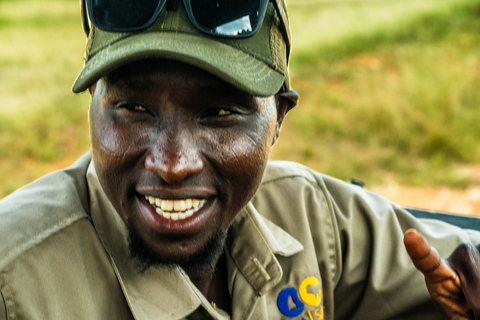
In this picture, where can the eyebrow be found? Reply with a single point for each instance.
(137, 85)
(141, 85)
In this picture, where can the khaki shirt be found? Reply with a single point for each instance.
(307, 247)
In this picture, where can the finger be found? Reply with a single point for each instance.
(427, 260)
(466, 261)
(449, 309)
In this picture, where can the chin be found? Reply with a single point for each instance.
(202, 260)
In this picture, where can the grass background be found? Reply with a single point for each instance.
(389, 90)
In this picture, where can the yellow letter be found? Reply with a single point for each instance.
(319, 315)
(309, 315)
(307, 297)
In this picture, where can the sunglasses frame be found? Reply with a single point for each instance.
(87, 11)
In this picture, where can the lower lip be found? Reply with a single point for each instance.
(190, 225)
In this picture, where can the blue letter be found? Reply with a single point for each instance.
(282, 303)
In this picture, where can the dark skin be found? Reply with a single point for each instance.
(168, 130)
(453, 283)
(171, 131)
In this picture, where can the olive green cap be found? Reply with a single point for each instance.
(257, 64)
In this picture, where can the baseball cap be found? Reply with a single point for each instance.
(257, 64)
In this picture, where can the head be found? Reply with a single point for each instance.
(180, 149)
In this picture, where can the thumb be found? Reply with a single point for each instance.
(427, 260)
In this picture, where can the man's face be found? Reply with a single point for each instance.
(178, 152)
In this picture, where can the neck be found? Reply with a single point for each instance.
(213, 285)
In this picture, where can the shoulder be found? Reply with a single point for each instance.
(294, 190)
(297, 175)
(290, 190)
(297, 199)
(280, 170)
(45, 207)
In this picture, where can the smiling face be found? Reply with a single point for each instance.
(179, 153)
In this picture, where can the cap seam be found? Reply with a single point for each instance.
(242, 47)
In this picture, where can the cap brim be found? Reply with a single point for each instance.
(230, 64)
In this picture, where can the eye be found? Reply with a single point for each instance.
(132, 107)
(224, 115)
(139, 108)
(223, 112)
(217, 113)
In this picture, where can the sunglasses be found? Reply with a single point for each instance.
(221, 18)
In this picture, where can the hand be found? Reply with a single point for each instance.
(453, 283)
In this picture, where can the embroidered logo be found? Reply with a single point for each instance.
(293, 303)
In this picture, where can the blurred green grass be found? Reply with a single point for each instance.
(388, 89)
(43, 126)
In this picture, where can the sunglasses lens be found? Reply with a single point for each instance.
(123, 14)
(227, 17)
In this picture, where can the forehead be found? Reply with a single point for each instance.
(147, 75)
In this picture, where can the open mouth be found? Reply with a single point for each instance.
(176, 209)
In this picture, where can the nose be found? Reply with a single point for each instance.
(174, 157)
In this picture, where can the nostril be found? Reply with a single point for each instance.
(149, 161)
(174, 168)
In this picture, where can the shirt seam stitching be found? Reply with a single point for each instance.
(315, 184)
(39, 238)
(248, 312)
(266, 243)
(290, 176)
(332, 244)
(4, 290)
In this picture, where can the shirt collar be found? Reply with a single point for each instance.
(252, 244)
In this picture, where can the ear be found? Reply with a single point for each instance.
(285, 102)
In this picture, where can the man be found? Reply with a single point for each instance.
(176, 212)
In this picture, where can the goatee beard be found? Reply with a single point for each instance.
(202, 262)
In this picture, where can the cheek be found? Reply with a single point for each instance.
(116, 152)
(115, 146)
(250, 151)
(252, 148)
(244, 158)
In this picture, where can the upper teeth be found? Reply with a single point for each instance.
(175, 209)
